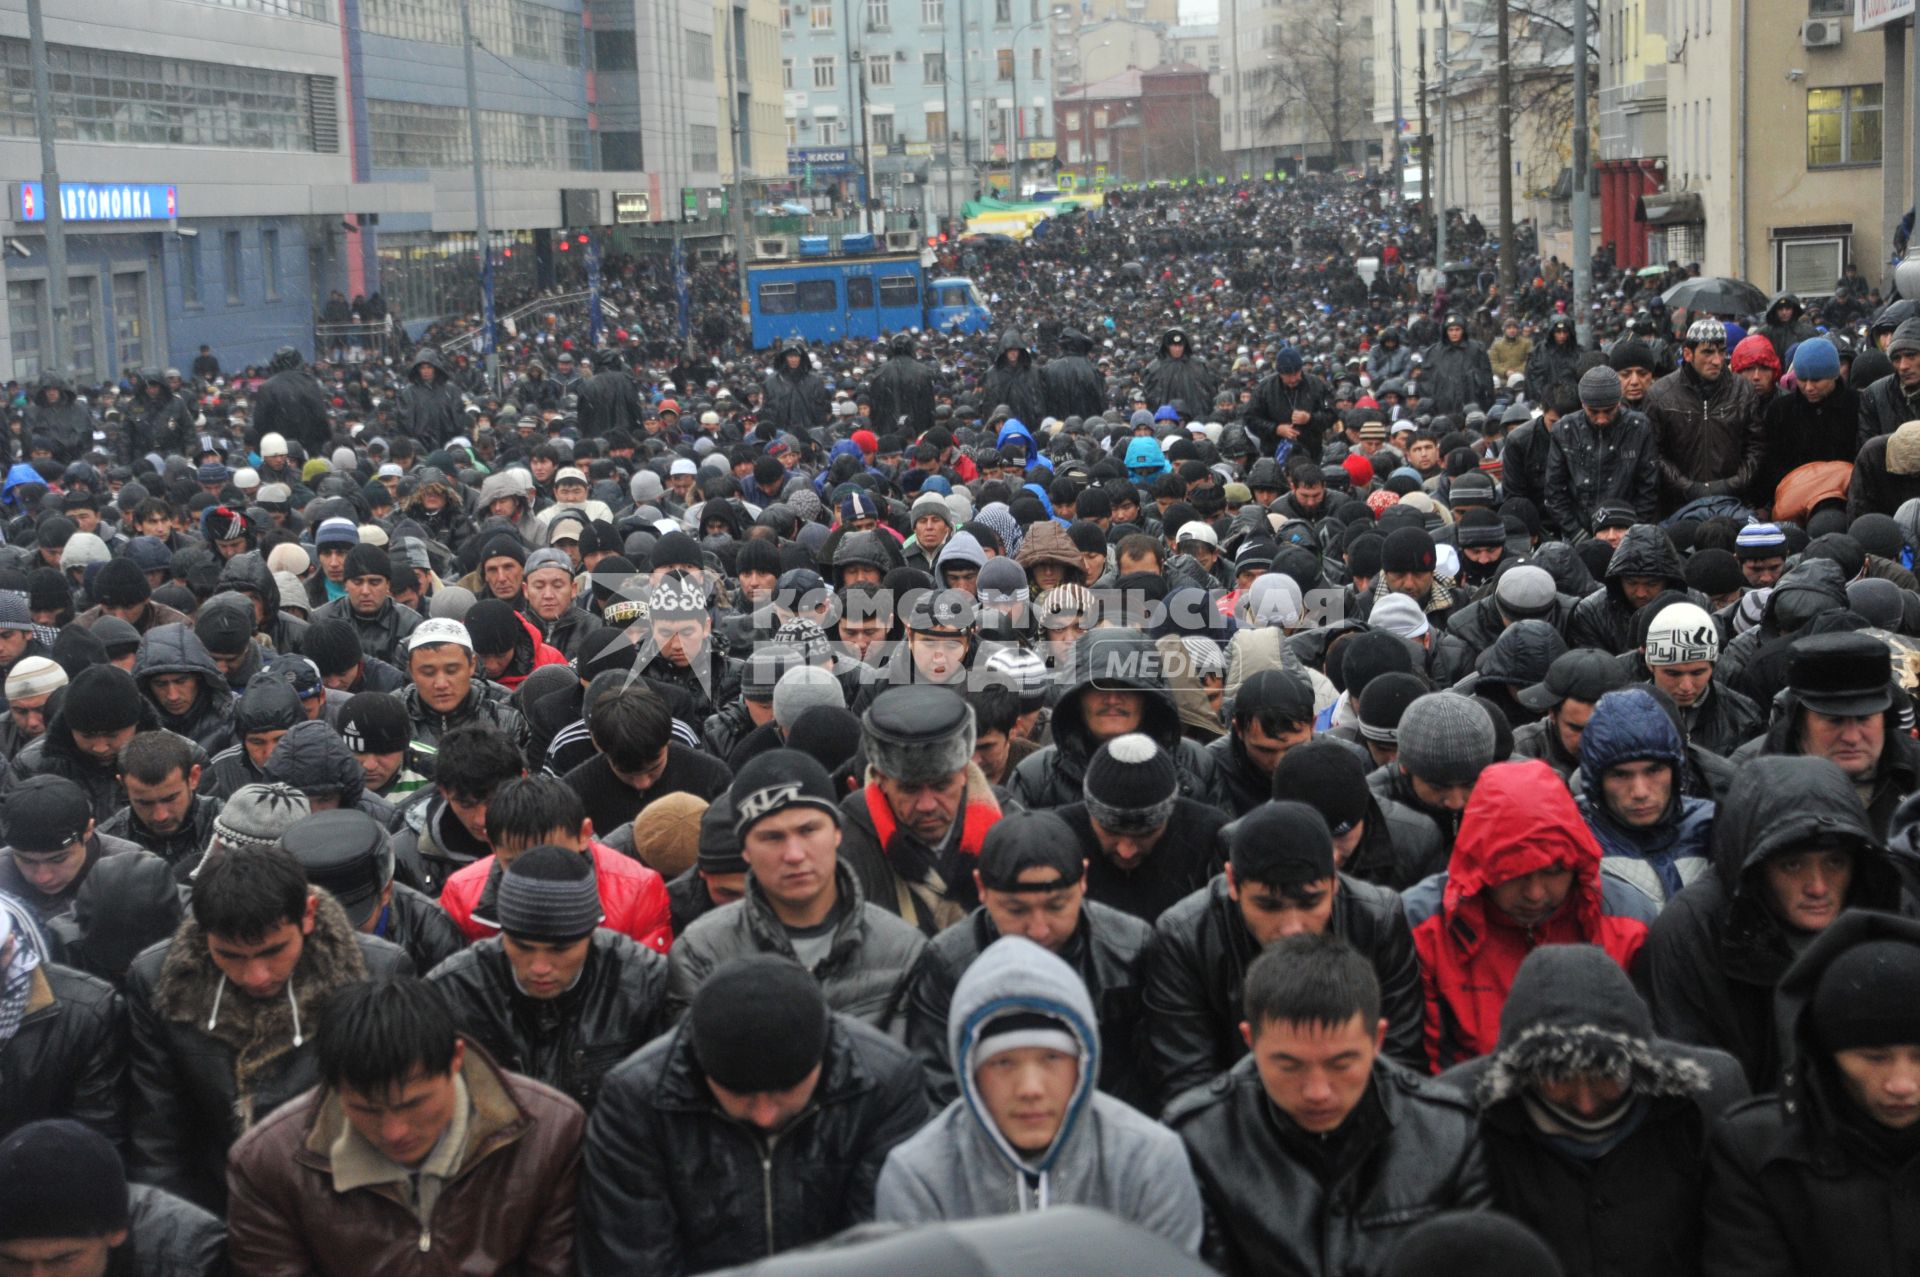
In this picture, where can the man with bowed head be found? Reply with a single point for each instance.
(1525, 872)
(1316, 1154)
(758, 1125)
(1028, 1130)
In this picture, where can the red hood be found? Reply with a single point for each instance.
(1522, 819)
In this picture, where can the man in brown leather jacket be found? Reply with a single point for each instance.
(414, 1143)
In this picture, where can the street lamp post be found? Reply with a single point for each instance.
(858, 59)
(1013, 143)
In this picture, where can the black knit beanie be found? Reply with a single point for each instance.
(101, 699)
(549, 894)
(333, 646)
(1469, 1244)
(1280, 844)
(494, 627)
(1869, 996)
(62, 1180)
(367, 560)
(1328, 777)
(121, 583)
(759, 1024)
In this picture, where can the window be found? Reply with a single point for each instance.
(821, 17)
(511, 28)
(23, 319)
(133, 99)
(230, 263)
(899, 290)
(1100, 117)
(1003, 11)
(879, 71)
(786, 18)
(1808, 266)
(826, 71)
(878, 16)
(411, 135)
(130, 318)
(859, 292)
(816, 295)
(933, 13)
(1033, 10)
(699, 55)
(615, 50)
(1829, 8)
(1039, 71)
(786, 73)
(776, 299)
(1003, 63)
(80, 323)
(270, 263)
(829, 133)
(933, 68)
(936, 126)
(317, 10)
(703, 146)
(880, 130)
(1843, 126)
(190, 273)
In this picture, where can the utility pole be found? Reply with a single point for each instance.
(1426, 138)
(736, 206)
(1582, 163)
(859, 60)
(1504, 128)
(1399, 163)
(56, 224)
(1446, 154)
(479, 199)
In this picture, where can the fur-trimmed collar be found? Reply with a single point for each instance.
(258, 1032)
(1546, 1052)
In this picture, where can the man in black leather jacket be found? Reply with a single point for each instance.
(1328, 1179)
(1280, 881)
(788, 1110)
(1032, 882)
(546, 998)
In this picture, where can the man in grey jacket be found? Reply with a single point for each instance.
(1029, 1130)
(801, 902)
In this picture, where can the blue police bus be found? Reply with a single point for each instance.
(858, 293)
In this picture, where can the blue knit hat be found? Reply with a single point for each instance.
(1815, 359)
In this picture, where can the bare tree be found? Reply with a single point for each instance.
(1320, 53)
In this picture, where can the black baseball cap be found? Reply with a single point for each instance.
(1584, 674)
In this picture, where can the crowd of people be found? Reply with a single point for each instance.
(1285, 759)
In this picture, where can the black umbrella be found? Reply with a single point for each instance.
(1716, 295)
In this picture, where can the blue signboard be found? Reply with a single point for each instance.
(833, 160)
(100, 202)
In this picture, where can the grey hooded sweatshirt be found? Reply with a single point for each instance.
(1106, 1154)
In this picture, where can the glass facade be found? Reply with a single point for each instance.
(130, 98)
(317, 10)
(511, 28)
(409, 135)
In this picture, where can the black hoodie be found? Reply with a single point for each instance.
(1801, 1180)
(1124, 660)
(1604, 619)
(1017, 385)
(1073, 384)
(1717, 951)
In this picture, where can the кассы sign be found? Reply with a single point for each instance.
(99, 202)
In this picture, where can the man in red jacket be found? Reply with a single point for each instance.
(539, 810)
(1525, 872)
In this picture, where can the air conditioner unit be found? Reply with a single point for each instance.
(1820, 33)
(902, 241)
(772, 248)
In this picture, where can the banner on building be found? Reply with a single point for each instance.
(1868, 14)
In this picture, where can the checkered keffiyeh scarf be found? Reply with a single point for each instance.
(16, 983)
